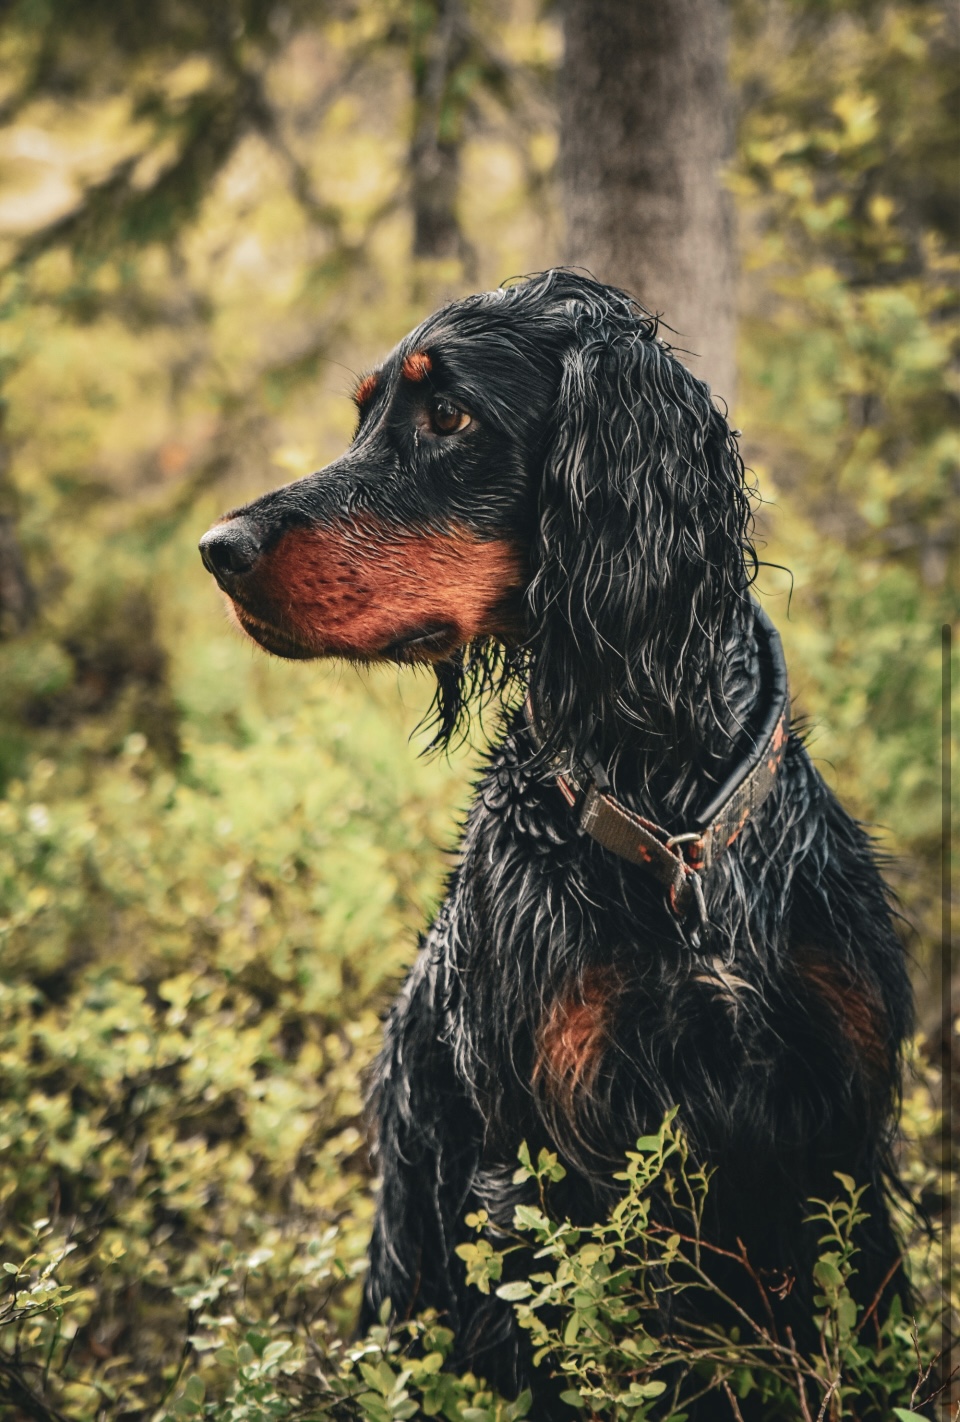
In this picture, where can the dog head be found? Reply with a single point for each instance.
(533, 469)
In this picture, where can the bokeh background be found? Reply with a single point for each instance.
(214, 215)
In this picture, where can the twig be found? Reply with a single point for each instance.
(801, 1386)
(826, 1398)
(714, 1287)
(761, 1287)
(734, 1405)
(879, 1294)
(943, 1386)
(921, 1375)
(14, 1388)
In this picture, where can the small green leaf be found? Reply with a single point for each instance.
(257, 1342)
(529, 1217)
(518, 1289)
(827, 1274)
(648, 1389)
(519, 1408)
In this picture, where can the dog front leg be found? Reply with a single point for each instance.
(427, 1146)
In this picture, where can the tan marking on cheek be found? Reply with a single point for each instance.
(231, 612)
(416, 366)
(353, 590)
(245, 622)
(574, 1034)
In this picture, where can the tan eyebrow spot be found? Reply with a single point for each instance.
(416, 366)
(365, 391)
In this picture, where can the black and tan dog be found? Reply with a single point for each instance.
(657, 900)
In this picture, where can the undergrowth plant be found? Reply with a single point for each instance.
(595, 1311)
(592, 1300)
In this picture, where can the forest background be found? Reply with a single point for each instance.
(213, 867)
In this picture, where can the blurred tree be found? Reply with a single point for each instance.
(440, 47)
(181, 133)
(461, 75)
(645, 132)
(17, 594)
(850, 353)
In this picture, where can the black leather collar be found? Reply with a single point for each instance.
(680, 860)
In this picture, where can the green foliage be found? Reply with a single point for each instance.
(848, 360)
(212, 870)
(591, 1299)
(593, 1312)
(191, 967)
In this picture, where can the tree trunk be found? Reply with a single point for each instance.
(440, 45)
(18, 603)
(645, 130)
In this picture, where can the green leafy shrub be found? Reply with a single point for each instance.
(590, 1299)
(194, 967)
(850, 335)
(593, 1311)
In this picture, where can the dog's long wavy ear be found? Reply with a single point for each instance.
(643, 545)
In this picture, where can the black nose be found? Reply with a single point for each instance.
(230, 548)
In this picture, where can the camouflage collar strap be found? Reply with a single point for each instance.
(679, 860)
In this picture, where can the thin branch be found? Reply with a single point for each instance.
(801, 1385)
(826, 1398)
(264, 119)
(737, 1258)
(879, 1294)
(943, 1386)
(15, 1388)
(734, 1404)
(761, 1287)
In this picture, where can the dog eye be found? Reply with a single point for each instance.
(446, 419)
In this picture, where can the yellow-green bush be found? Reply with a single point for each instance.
(193, 967)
